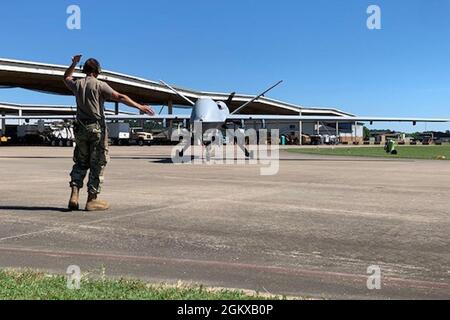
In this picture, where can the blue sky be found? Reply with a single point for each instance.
(322, 49)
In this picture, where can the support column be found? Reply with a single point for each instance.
(142, 121)
(300, 131)
(116, 110)
(20, 115)
(337, 132)
(3, 124)
(277, 125)
(318, 128)
(170, 110)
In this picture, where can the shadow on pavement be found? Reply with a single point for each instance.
(24, 208)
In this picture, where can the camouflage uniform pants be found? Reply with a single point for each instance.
(91, 153)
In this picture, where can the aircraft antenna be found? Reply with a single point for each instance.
(178, 93)
(257, 97)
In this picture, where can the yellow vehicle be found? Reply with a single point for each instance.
(141, 138)
(4, 140)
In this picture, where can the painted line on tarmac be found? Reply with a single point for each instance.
(112, 218)
(91, 222)
(410, 283)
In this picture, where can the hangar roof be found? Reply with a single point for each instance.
(48, 78)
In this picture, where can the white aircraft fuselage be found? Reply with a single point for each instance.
(211, 114)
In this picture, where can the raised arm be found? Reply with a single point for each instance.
(69, 72)
(122, 98)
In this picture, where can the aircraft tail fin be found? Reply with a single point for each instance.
(230, 98)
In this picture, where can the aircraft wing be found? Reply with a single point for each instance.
(332, 119)
(242, 117)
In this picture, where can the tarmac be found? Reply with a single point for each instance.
(312, 230)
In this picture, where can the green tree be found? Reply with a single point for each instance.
(416, 135)
(366, 133)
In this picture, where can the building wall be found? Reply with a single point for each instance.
(347, 132)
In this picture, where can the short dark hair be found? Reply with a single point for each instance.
(92, 66)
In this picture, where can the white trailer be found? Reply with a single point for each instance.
(119, 133)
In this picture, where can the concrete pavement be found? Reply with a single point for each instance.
(312, 230)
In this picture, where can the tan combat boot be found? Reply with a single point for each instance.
(74, 199)
(93, 204)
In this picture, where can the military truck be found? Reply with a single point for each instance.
(61, 135)
(140, 137)
(57, 134)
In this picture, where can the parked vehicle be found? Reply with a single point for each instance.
(59, 134)
(4, 139)
(140, 137)
(119, 133)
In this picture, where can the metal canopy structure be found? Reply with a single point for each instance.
(48, 78)
(47, 112)
(42, 110)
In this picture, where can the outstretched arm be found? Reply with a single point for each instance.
(122, 98)
(69, 72)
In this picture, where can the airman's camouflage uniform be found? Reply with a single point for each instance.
(91, 138)
(91, 153)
